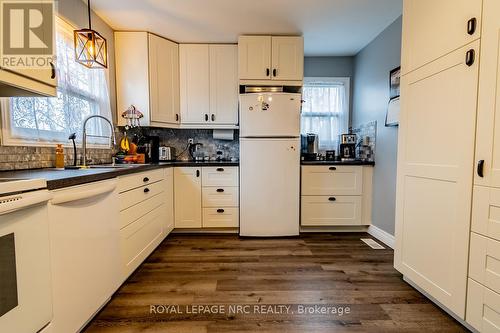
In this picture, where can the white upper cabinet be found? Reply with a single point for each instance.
(488, 122)
(254, 57)
(271, 58)
(223, 84)
(164, 79)
(287, 58)
(432, 29)
(147, 76)
(194, 80)
(209, 85)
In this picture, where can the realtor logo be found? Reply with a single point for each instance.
(27, 38)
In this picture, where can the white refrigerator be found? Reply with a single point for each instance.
(269, 164)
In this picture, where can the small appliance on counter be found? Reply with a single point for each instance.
(348, 147)
(166, 153)
(309, 146)
(150, 147)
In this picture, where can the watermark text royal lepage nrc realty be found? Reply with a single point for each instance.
(26, 34)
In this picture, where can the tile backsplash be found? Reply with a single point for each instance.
(367, 137)
(21, 157)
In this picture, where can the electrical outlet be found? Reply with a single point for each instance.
(190, 140)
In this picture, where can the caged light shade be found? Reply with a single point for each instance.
(90, 47)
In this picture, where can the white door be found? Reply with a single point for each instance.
(432, 29)
(269, 187)
(194, 83)
(434, 182)
(488, 121)
(187, 197)
(270, 115)
(163, 79)
(254, 54)
(224, 84)
(287, 58)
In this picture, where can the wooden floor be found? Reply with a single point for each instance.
(336, 270)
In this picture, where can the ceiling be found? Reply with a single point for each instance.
(330, 27)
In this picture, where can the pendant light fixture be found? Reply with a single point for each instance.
(90, 47)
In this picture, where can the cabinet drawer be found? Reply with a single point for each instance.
(140, 194)
(135, 212)
(220, 176)
(486, 211)
(330, 211)
(140, 238)
(220, 196)
(332, 180)
(220, 217)
(129, 182)
(483, 308)
(484, 261)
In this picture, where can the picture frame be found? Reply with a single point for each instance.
(393, 108)
(394, 83)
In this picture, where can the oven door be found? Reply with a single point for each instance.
(25, 285)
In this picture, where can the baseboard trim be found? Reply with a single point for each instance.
(382, 236)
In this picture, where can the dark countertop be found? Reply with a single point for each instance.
(357, 162)
(64, 178)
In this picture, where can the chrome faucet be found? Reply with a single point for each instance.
(84, 136)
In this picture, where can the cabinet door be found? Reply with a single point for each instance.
(488, 121)
(187, 183)
(432, 29)
(223, 84)
(163, 79)
(434, 182)
(254, 57)
(194, 81)
(288, 58)
(330, 210)
(169, 200)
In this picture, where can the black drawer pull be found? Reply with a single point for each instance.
(176, 117)
(267, 72)
(206, 117)
(197, 173)
(220, 169)
(52, 70)
(275, 72)
(332, 199)
(220, 190)
(480, 168)
(470, 57)
(146, 190)
(213, 117)
(220, 210)
(145, 179)
(332, 168)
(471, 26)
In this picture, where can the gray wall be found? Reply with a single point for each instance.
(371, 95)
(75, 13)
(331, 67)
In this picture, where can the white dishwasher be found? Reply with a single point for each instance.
(85, 252)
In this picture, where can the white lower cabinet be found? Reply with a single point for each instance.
(483, 306)
(206, 197)
(335, 195)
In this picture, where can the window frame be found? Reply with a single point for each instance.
(7, 139)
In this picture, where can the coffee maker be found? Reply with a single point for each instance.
(348, 147)
(309, 146)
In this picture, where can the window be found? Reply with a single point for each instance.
(326, 109)
(47, 120)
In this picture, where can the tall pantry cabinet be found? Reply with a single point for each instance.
(440, 67)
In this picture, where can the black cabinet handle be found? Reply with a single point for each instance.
(176, 117)
(197, 173)
(274, 72)
(267, 72)
(146, 190)
(332, 199)
(213, 117)
(145, 179)
(220, 190)
(471, 26)
(206, 117)
(470, 57)
(480, 168)
(332, 168)
(220, 169)
(220, 210)
(53, 70)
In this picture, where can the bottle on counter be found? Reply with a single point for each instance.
(59, 156)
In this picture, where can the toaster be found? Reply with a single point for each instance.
(166, 153)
